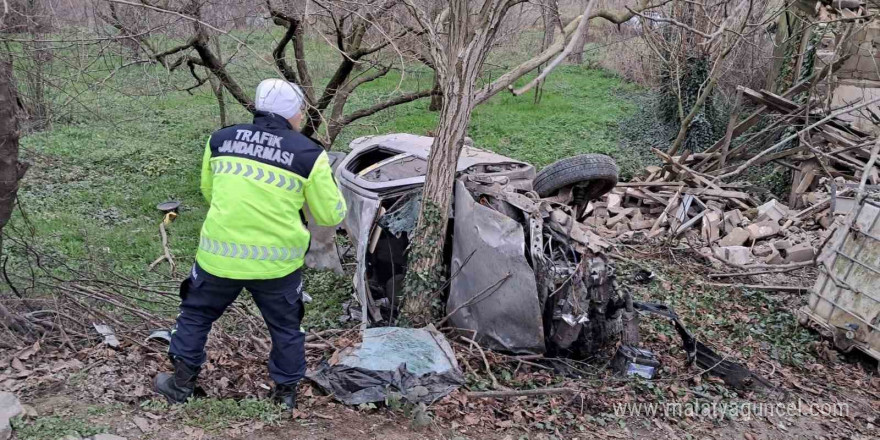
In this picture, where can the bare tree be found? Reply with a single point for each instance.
(371, 38)
(11, 170)
(701, 30)
(551, 21)
(459, 39)
(367, 37)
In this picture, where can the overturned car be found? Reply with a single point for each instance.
(525, 275)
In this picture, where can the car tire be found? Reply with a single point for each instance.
(597, 173)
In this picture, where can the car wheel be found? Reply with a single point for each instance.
(596, 174)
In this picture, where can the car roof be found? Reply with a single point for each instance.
(420, 146)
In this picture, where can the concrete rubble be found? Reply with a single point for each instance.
(703, 198)
(758, 234)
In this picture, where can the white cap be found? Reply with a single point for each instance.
(280, 97)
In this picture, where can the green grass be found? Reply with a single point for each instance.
(213, 414)
(91, 192)
(54, 428)
(579, 113)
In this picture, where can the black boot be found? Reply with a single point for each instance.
(180, 386)
(285, 395)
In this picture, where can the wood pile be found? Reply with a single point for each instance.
(688, 197)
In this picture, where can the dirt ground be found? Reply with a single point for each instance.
(815, 393)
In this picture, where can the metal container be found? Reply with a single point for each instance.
(845, 302)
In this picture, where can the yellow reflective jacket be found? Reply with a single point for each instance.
(256, 178)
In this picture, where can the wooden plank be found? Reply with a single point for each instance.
(690, 223)
(731, 123)
(647, 184)
(655, 229)
(716, 193)
(755, 116)
(830, 135)
(789, 106)
(645, 194)
(766, 158)
(699, 177)
(801, 181)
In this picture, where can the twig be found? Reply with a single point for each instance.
(767, 266)
(756, 272)
(155, 262)
(495, 383)
(165, 245)
(518, 393)
(867, 170)
(793, 289)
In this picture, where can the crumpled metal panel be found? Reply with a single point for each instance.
(505, 315)
(359, 223)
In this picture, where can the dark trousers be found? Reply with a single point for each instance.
(204, 297)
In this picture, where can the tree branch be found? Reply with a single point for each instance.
(397, 100)
(278, 52)
(293, 33)
(299, 53)
(160, 57)
(569, 48)
(335, 127)
(714, 75)
(342, 97)
(506, 80)
(219, 70)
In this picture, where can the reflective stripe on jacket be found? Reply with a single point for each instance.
(256, 178)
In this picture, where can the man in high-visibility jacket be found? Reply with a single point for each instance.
(256, 178)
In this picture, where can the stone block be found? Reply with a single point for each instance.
(763, 229)
(800, 253)
(732, 219)
(736, 237)
(772, 210)
(738, 255)
(782, 244)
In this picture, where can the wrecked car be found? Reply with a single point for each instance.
(525, 275)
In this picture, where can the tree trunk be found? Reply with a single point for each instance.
(217, 86)
(426, 271)
(551, 20)
(577, 56)
(10, 169)
(436, 96)
(458, 69)
(37, 57)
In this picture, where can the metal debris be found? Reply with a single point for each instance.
(160, 335)
(109, 335)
